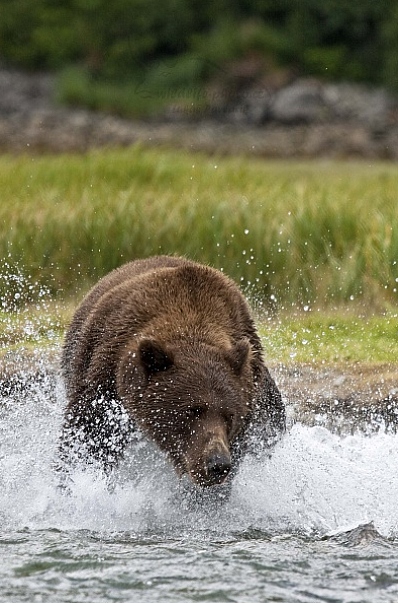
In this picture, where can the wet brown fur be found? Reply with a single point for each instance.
(167, 345)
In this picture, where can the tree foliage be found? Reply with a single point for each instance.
(118, 40)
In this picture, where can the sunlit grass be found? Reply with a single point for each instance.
(33, 327)
(306, 337)
(290, 233)
(331, 338)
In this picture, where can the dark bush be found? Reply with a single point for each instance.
(134, 40)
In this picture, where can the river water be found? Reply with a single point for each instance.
(318, 521)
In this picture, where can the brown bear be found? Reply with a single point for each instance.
(168, 346)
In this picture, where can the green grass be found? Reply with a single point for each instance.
(136, 98)
(33, 327)
(320, 338)
(311, 337)
(292, 234)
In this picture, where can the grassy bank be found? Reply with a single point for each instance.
(291, 233)
(311, 338)
(326, 338)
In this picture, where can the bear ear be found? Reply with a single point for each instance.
(238, 356)
(154, 357)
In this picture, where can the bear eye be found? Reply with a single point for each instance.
(195, 412)
(229, 419)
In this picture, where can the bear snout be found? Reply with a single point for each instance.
(211, 458)
(218, 466)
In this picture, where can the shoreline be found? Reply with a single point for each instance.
(343, 397)
(304, 119)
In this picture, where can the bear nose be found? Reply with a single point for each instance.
(218, 466)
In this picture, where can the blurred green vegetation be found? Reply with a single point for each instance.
(292, 234)
(321, 337)
(317, 337)
(108, 52)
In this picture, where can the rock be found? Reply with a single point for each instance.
(300, 102)
(303, 118)
(23, 92)
(349, 102)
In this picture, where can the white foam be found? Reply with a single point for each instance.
(315, 480)
(319, 480)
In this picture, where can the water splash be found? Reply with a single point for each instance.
(315, 482)
(324, 482)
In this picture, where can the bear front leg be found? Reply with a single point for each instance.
(93, 433)
(268, 422)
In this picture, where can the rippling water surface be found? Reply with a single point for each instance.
(316, 522)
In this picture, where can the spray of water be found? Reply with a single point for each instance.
(316, 481)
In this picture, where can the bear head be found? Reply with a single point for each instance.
(192, 399)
